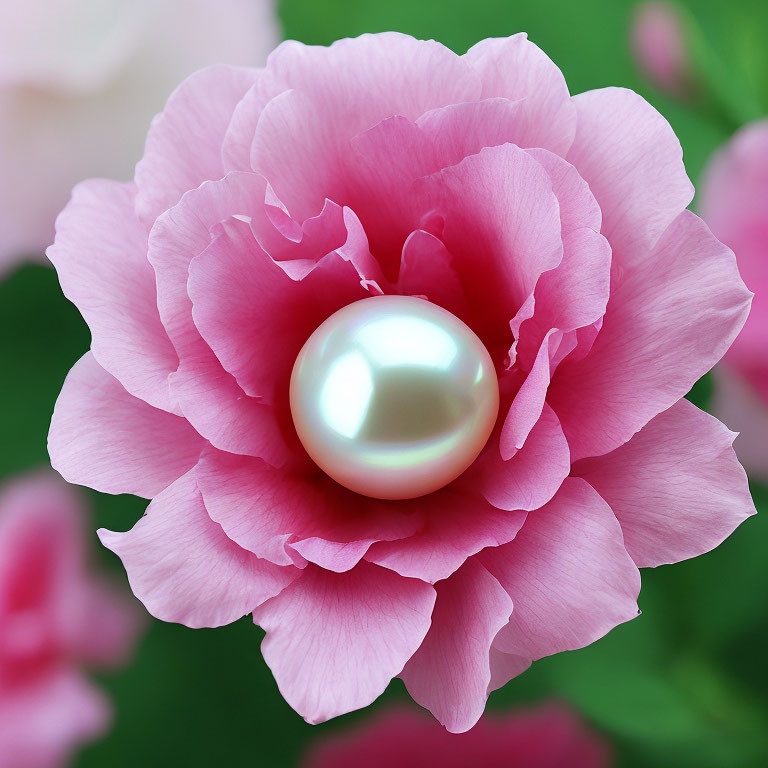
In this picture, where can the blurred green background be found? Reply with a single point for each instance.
(685, 684)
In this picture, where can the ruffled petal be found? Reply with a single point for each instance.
(502, 226)
(183, 146)
(382, 75)
(243, 301)
(182, 566)
(457, 526)
(633, 163)
(568, 574)
(276, 514)
(515, 68)
(100, 255)
(209, 396)
(450, 674)
(106, 439)
(334, 641)
(676, 486)
(669, 320)
(532, 476)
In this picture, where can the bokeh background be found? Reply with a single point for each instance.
(685, 684)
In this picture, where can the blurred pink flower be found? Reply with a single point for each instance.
(56, 616)
(734, 202)
(555, 227)
(80, 82)
(551, 736)
(660, 48)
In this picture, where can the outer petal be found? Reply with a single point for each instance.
(515, 68)
(633, 162)
(265, 510)
(668, 322)
(106, 439)
(100, 255)
(676, 486)
(334, 641)
(382, 75)
(450, 673)
(182, 566)
(184, 143)
(568, 574)
(457, 527)
(532, 476)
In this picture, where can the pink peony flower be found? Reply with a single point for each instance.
(734, 202)
(659, 45)
(80, 82)
(554, 227)
(56, 615)
(548, 737)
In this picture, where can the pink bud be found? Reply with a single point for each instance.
(659, 46)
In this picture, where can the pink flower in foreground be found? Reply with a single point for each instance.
(554, 227)
(734, 202)
(80, 82)
(56, 616)
(660, 48)
(548, 737)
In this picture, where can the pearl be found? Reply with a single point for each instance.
(393, 397)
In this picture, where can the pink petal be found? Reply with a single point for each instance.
(505, 667)
(334, 641)
(243, 301)
(426, 269)
(502, 226)
(43, 723)
(182, 566)
(382, 75)
(515, 68)
(733, 203)
(208, 396)
(106, 439)
(632, 160)
(460, 130)
(100, 255)
(184, 143)
(528, 403)
(676, 486)
(42, 582)
(264, 510)
(532, 476)
(575, 293)
(668, 322)
(568, 574)
(550, 736)
(109, 627)
(236, 145)
(450, 673)
(457, 527)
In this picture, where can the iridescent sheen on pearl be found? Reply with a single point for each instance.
(393, 397)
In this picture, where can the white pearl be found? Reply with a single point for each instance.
(393, 397)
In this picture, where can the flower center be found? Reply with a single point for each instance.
(393, 397)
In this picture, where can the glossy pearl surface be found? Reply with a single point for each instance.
(393, 397)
